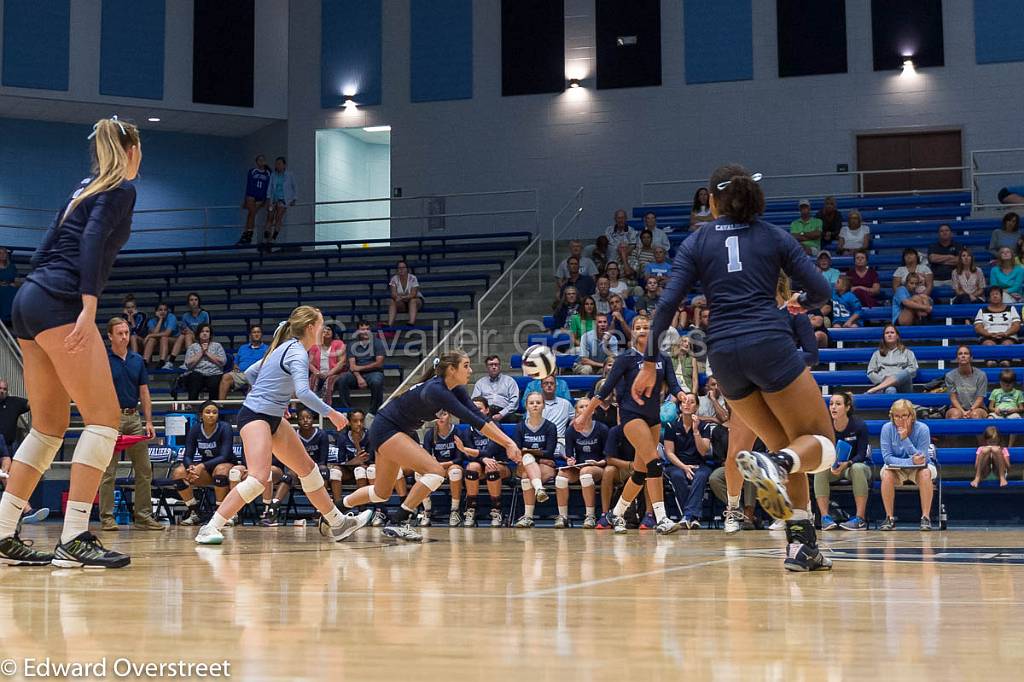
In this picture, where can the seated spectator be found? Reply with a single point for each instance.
(9, 283)
(188, 325)
(1013, 194)
(909, 458)
(616, 285)
(997, 323)
(557, 410)
(599, 253)
(659, 238)
(911, 304)
(806, 229)
(405, 294)
(535, 386)
(245, 357)
(620, 319)
(700, 211)
(681, 318)
(831, 222)
(825, 265)
(584, 463)
(439, 441)
(583, 284)
(943, 256)
(353, 460)
(686, 365)
(621, 238)
(893, 366)
(587, 266)
(864, 280)
(479, 453)
(603, 295)
(712, 406)
(967, 387)
(855, 235)
(205, 360)
(499, 390)
(659, 267)
(968, 279)
(649, 300)
(820, 324)
(689, 458)
(537, 436)
(1007, 274)
(845, 306)
(1005, 236)
(991, 458)
(856, 468)
(596, 346)
(698, 307)
(583, 321)
(160, 330)
(566, 307)
(327, 362)
(136, 322)
(912, 264)
(640, 256)
(1006, 401)
(365, 368)
(207, 460)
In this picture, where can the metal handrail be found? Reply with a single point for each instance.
(429, 356)
(577, 199)
(976, 200)
(480, 317)
(12, 366)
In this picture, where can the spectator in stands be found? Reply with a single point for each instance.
(1006, 401)
(257, 184)
(616, 285)
(642, 254)
(160, 329)
(561, 390)
(991, 458)
(9, 283)
(712, 406)
(997, 323)
(845, 305)
(688, 452)
(967, 387)
(909, 458)
(659, 267)
(188, 324)
(499, 390)
(659, 238)
(700, 211)
(620, 319)
(250, 353)
(602, 297)
(831, 222)
(327, 362)
(855, 235)
(943, 256)
(567, 306)
(911, 304)
(806, 229)
(686, 365)
(11, 409)
(583, 321)
(583, 284)
(864, 280)
(649, 300)
(893, 366)
(1007, 274)
(621, 238)
(1006, 236)
(587, 266)
(136, 320)
(912, 264)
(596, 346)
(281, 196)
(557, 410)
(855, 468)
(205, 360)
(820, 324)
(599, 253)
(825, 265)
(968, 279)
(405, 294)
(366, 367)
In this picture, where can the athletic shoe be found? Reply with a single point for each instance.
(734, 519)
(231, 522)
(86, 551)
(648, 522)
(777, 524)
(424, 519)
(769, 475)
(828, 523)
(589, 521)
(616, 523)
(350, 523)
(208, 535)
(747, 524)
(168, 365)
(379, 519)
(455, 519)
(926, 523)
(246, 238)
(148, 523)
(38, 516)
(666, 526)
(856, 523)
(496, 519)
(524, 522)
(802, 558)
(402, 531)
(888, 524)
(542, 496)
(108, 523)
(470, 519)
(561, 522)
(192, 520)
(17, 552)
(693, 524)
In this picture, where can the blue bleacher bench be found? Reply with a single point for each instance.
(934, 332)
(926, 353)
(856, 377)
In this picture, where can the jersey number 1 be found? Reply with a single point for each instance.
(733, 245)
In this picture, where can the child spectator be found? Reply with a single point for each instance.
(642, 254)
(991, 457)
(968, 279)
(1006, 401)
(825, 265)
(136, 322)
(205, 359)
(845, 305)
(911, 303)
(188, 323)
(855, 236)
(912, 264)
(649, 300)
(160, 329)
(1008, 275)
(893, 366)
(864, 280)
(659, 267)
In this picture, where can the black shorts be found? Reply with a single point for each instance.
(767, 363)
(245, 415)
(381, 431)
(627, 415)
(36, 310)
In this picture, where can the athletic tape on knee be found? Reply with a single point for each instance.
(95, 447)
(493, 476)
(528, 459)
(454, 474)
(525, 484)
(371, 472)
(432, 481)
(288, 479)
(828, 454)
(472, 475)
(375, 498)
(38, 450)
(561, 482)
(358, 472)
(235, 475)
(250, 489)
(312, 481)
(220, 481)
(586, 480)
(654, 469)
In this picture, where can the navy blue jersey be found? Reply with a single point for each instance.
(349, 447)
(586, 446)
(856, 435)
(209, 450)
(441, 447)
(257, 182)
(544, 439)
(618, 445)
(317, 445)
(620, 379)
(422, 402)
(472, 438)
(803, 334)
(76, 256)
(738, 266)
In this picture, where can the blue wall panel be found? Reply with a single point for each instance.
(998, 27)
(36, 43)
(719, 40)
(350, 51)
(441, 50)
(132, 48)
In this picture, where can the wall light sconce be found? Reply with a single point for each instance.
(575, 83)
(349, 103)
(908, 65)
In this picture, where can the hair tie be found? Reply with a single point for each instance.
(756, 177)
(96, 126)
(282, 323)
(437, 361)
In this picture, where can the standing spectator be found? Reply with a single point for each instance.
(855, 235)
(968, 279)
(188, 324)
(616, 285)
(282, 195)
(131, 384)
(831, 222)
(649, 301)
(943, 256)
(8, 284)
(688, 452)
(603, 295)
(405, 294)
(864, 280)
(257, 183)
(1006, 236)
(587, 266)
(856, 469)
(600, 254)
(245, 357)
(327, 362)
(700, 211)
(997, 323)
(912, 264)
(806, 229)
(642, 254)
(583, 284)
(136, 320)
(686, 365)
(620, 318)
(1006, 401)
(659, 267)
(909, 458)
(1008, 275)
(658, 236)
(583, 321)
(366, 367)
(825, 265)
(160, 329)
(557, 410)
(11, 409)
(967, 387)
(911, 303)
(596, 346)
(566, 307)
(991, 457)
(621, 238)
(893, 366)
(205, 360)
(499, 390)
(845, 306)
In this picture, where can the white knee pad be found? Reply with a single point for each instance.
(38, 450)
(432, 481)
(371, 472)
(95, 447)
(454, 474)
(416, 476)
(250, 488)
(586, 480)
(358, 472)
(528, 459)
(312, 481)
(525, 484)
(561, 482)
(828, 454)
(375, 498)
(235, 475)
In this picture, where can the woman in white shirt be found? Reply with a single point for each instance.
(405, 295)
(616, 285)
(854, 235)
(912, 263)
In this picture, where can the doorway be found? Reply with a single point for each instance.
(353, 164)
(932, 149)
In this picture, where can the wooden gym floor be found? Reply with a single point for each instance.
(532, 606)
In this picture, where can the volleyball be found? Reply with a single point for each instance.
(538, 362)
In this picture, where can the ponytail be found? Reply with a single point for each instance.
(439, 366)
(111, 140)
(737, 193)
(294, 327)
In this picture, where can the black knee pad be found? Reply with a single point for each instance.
(220, 481)
(654, 469)
(493, 476)
(180, 485)
(472, 475)
(288, 480)
(325, 473)
(638, 477)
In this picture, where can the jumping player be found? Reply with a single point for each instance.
(208, 460)
(584, 462)
(737, 258)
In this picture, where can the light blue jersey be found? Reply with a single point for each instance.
(278, 377)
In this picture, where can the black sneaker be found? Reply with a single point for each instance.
(86, 551)
(17, 552)
(888, 524)
(246, 238)
(802, 558)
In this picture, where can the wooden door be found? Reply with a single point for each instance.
(935, 149)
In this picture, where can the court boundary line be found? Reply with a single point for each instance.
(603, 581)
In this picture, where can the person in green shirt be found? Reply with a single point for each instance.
(583, 321)
(1007, 401)
(806, 229)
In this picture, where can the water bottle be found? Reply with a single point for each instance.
(942, 516)
(120, 509)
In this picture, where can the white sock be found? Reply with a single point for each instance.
(590, 511)
(796, 460)
(11, 508)
(659, 511)
(563, 511)
(536, 483)
(621, 506)
(427, 504)
(801, 515)
(76, 520)
(529, 511)
(218, 522)
(734, 501)
(334, 517)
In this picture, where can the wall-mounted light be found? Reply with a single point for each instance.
(575, 83)
(377, 129)
(153, 119)
(349, 103)
(908, 66)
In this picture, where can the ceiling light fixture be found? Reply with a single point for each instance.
(153, 119)
(377, 129)
(908, 66)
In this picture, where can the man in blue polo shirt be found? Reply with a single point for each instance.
(131, 384)
(245, 356)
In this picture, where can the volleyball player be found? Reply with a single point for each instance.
(282, 372)
(316, 443)
(584, 463)
(207, 461)
(737, 258)
(475, 448)
(439, 441)
(641, 423)
(440, 387)
(54, 320)
(537, 437)
(350, 456)
(618, 465)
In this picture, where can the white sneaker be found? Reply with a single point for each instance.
(542, 496)
(734, 519)
(349, 524)
(454, 519)
(402, 531)
(666, 526)
(589, 521)
(561, 522)
(168, 365)
(777, 524)
(378, 519)
(769, 477)
(231, 522)
(424, 519)
(470, 519)
(192, 520)
(496, 519)
(208, 535)
(524, 522)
